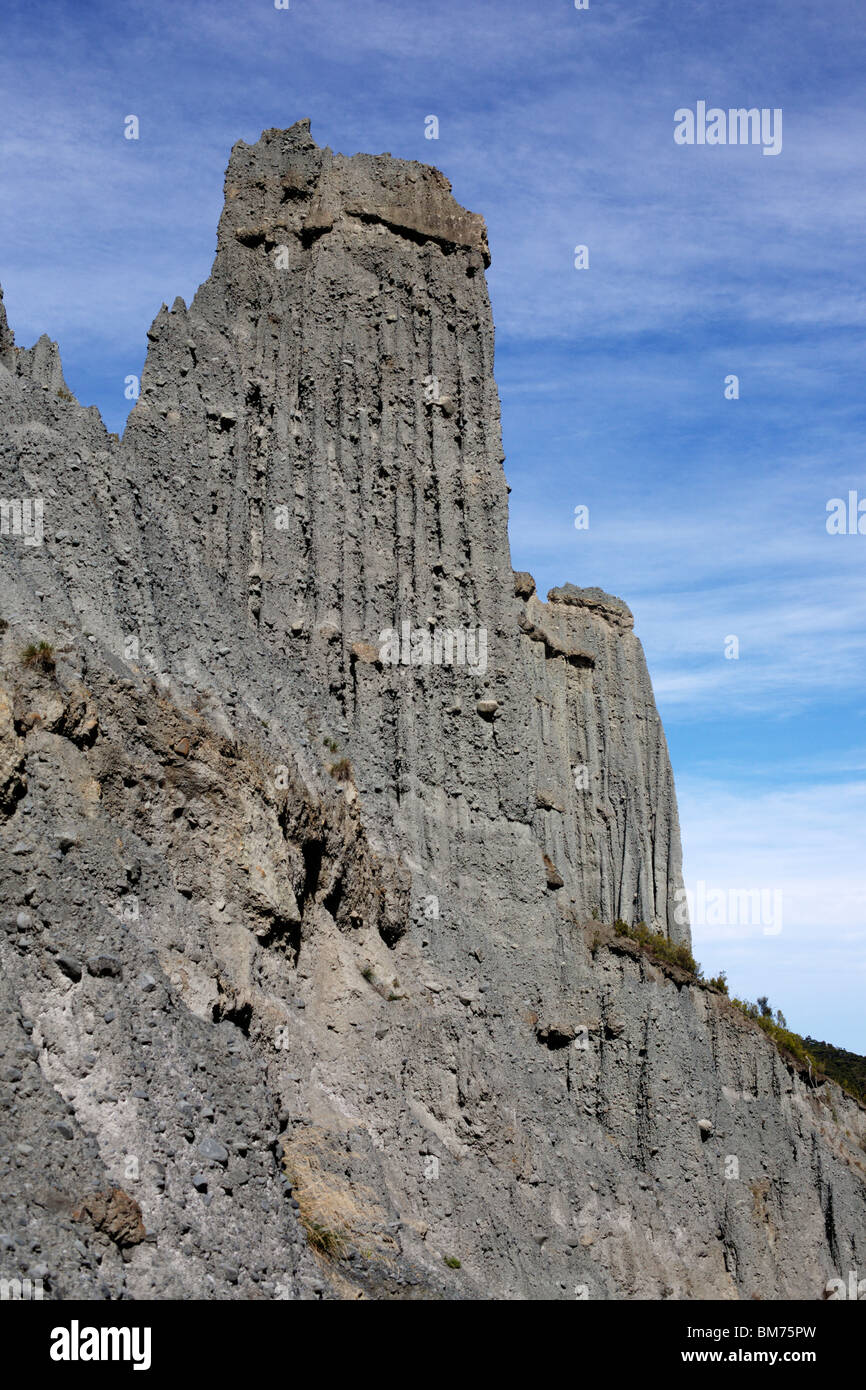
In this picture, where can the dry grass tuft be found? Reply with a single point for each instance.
(335, 1213)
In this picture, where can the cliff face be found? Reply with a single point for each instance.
(305, 823)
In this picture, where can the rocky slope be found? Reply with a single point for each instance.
(308, 988)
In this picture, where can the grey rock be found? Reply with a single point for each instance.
(524, 584)
(213, 1150)
(70, 966)
(105, 966)
(261, 810)
(556, 1034)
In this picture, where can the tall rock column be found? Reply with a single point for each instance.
(319, 434)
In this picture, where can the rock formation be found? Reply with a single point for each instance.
(314, 819)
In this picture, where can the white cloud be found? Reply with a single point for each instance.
(803, 840)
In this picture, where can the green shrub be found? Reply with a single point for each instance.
(783, 1037)
(847, 1069)
(328, 1243)
(657, 945)
(39, 656)
(451, 1261)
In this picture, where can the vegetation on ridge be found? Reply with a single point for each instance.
(846, 1068)
(777, 1029)
(659, 946)
(822, 1060)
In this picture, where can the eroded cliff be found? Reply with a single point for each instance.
(314, 813)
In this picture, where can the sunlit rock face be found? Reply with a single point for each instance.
(314, 820)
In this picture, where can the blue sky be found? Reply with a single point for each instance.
(706, 515)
